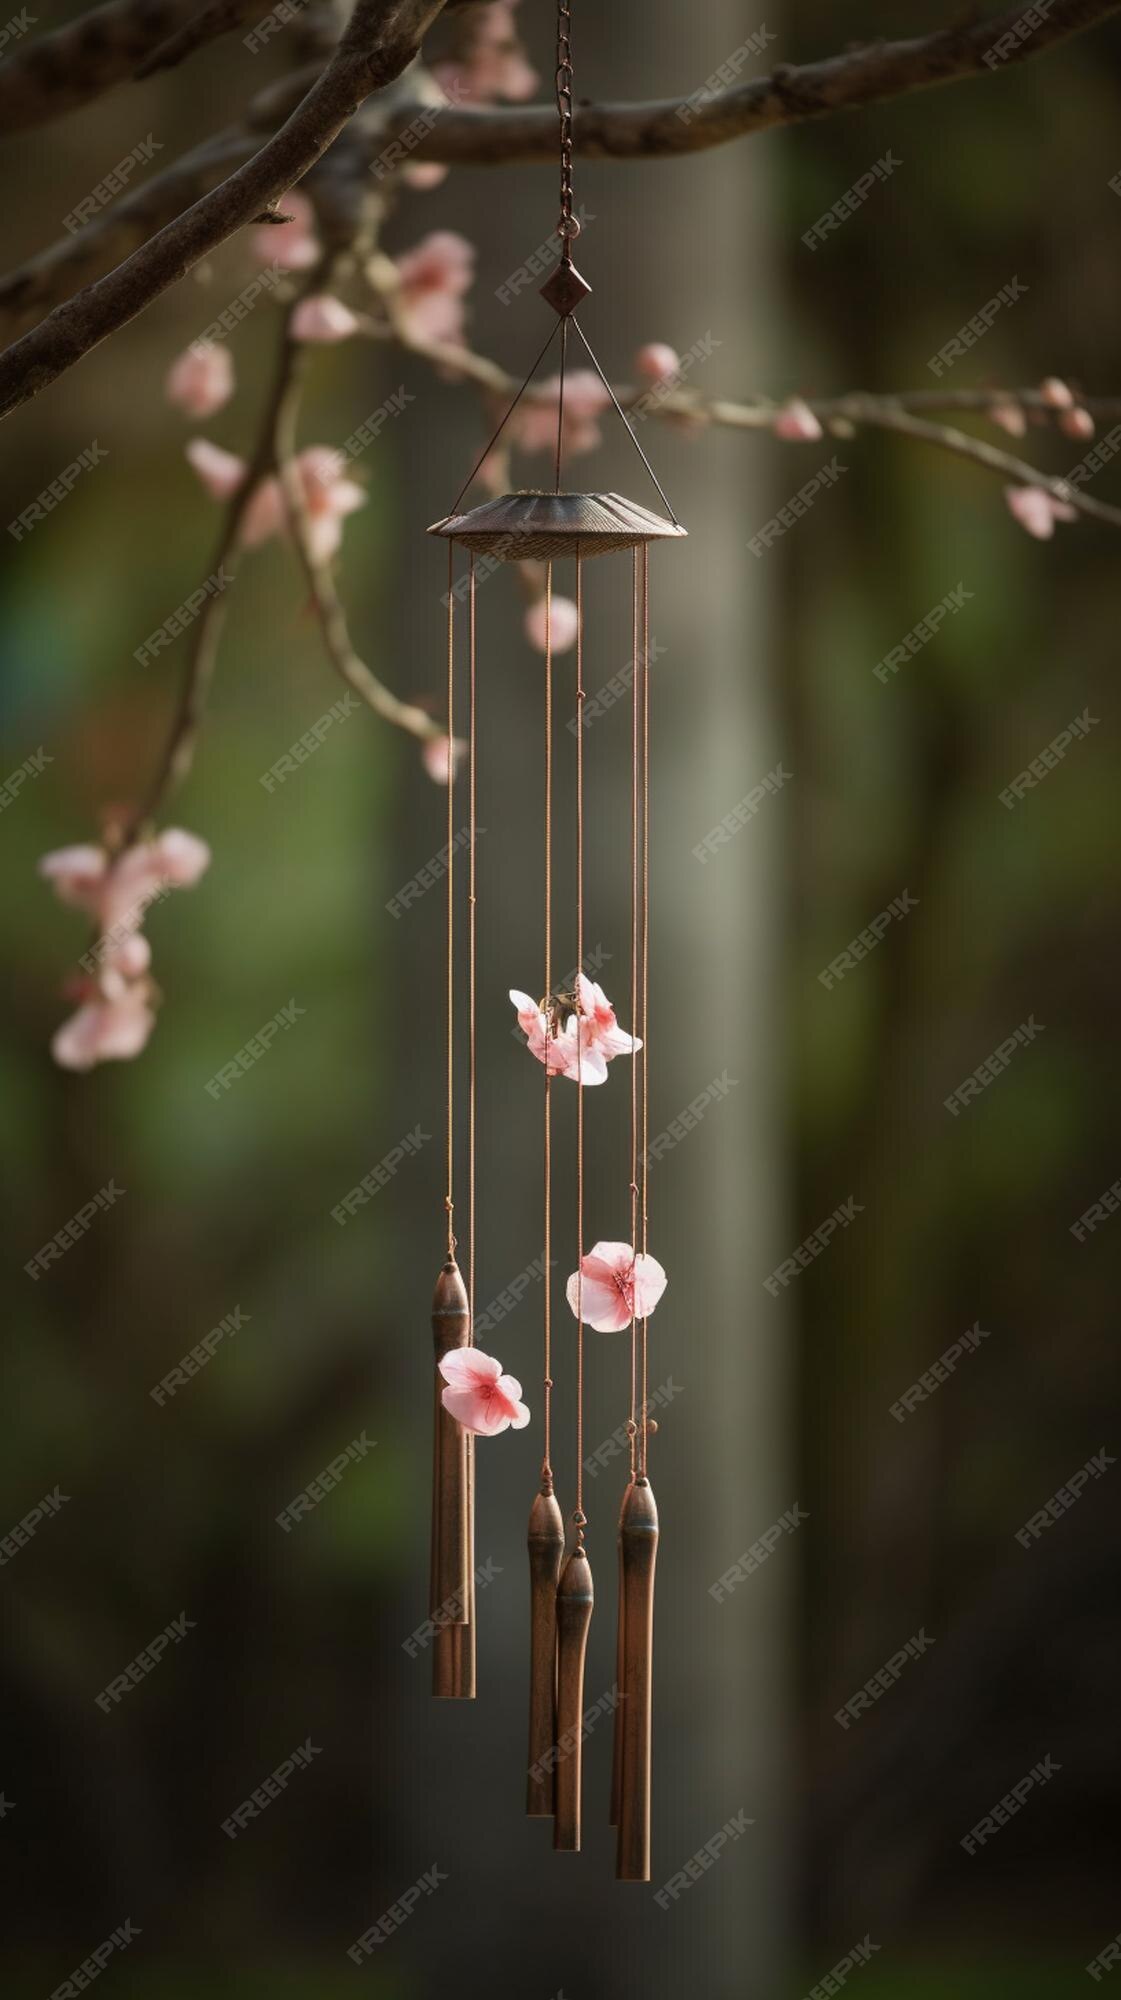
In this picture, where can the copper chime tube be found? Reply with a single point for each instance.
(546, 1548)
(452, 1579)
(638, 1539)
(575, 1597)
(620, 1672)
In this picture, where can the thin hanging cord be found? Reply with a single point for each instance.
(560, 406)
(626, 420)
(547, 1461)
(632, 1425)
(492, 441)
(449, 1201)
(471, 935)
(645, 966)
(579, 1518)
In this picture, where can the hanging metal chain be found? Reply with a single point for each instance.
(568, 227)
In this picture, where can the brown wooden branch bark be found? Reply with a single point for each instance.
(383, 37)
(109, 45)
(787, 97)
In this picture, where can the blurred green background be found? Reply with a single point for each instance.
(838, 1094)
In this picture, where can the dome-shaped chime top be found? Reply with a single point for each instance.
(538, 527)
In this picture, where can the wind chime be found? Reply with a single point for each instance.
(574, 1034)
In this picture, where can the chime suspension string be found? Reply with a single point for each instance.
(449, 1200)
(472, 1066)
(579, 1518)
(547, 1460)
(645, 1031)
(632, 1427)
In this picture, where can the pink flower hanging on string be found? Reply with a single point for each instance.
(1037, 510)
(116, 1014)
(574, 1034)
(479, 1396)
(613, 1286)
(201, 379)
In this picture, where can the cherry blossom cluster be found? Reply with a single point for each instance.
(116, 992)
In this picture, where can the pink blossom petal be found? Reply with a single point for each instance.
(424, 175)
(293, 246)
(182, 856)
(323, 318)
(441, 757)
(201, 379)
(658, 362)
(617, 1286)
(221, 471)
(1037, 510)
(649, 1283)
(76, 872)
(265, 515)
(1056, 394)
(479, 1396)
(564, 623)
(796, 422)
(1077, 423)
(105, 1030)
(1010, 417)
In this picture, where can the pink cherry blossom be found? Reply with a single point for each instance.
(221, 472)
(490, 62)
(1077, 423)
(614, 1286)
(424, 175)
(796, 422)
(1037, 510)
(586, 1041)
(434, 276)
(658, 362)
(201, 380)
(1056, 394)
(1010, 417)
(564, 623)
(585, 398)
(479, 1396)
(292, 245)
(115, 1017)
(441, 757)
(328, 496)
(323, 318)
(108, 1027)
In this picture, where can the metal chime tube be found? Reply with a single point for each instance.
(620, 1681)
(638, 1538)
(452, 1537)
(546, 1549)
(575, 1598)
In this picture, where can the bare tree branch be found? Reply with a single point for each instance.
(109, 45)
(787, 97)
(383, 36)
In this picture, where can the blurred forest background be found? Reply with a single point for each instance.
(838, 1093)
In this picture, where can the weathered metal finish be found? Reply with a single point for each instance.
(620, 1669)
(575, 1597)
(452, 1551)
(638, 1538)
(520, 527)
(546, 1548)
